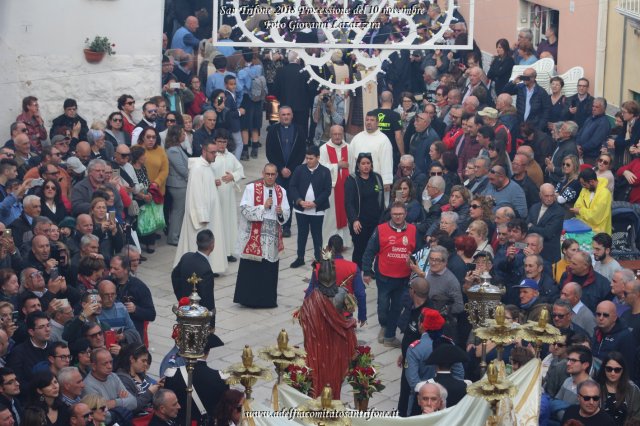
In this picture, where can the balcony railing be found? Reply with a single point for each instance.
(629, 8)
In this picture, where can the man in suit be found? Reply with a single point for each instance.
(435, 189)
(207, 383)
(197, 263)
(546, 218)
(19, 227)
(291, 89)
(285, 146)
(532, 102)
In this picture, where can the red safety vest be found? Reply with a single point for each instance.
(395, 249)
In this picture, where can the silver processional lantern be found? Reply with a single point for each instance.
(483, 300)
(193, 330)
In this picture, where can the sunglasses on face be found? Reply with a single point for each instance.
(171, 120)
(491, 147)
(475, 206)
(559, 345)
(130, 102)
(587, 398)
(616, 370)
(117, 120)
(567, 164)
(436, 173)
(603, 161)
(603, 314)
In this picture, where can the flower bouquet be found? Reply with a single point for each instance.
(362, 376)
(299, 378)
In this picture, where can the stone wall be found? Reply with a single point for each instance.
(41, 46)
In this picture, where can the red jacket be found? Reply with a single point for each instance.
(633, 167)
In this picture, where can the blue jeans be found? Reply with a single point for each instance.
(305, 222)
(237, 140)
(390, 293)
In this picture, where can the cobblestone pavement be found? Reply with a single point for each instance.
(237, 325)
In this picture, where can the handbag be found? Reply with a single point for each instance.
(151, 218)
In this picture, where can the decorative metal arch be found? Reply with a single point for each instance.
(278, 13)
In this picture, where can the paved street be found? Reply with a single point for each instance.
(238, 326)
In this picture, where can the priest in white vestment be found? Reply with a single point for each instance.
(263, 211)
(203, 210)
(229, 171)
(335, 156)
(372, 140)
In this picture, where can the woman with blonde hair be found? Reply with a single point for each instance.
(569, 186)
(479, 231)
(106, 228)
(603, 169)
(98, 406)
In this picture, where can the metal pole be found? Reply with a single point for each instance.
(483, 360)
(190, 365)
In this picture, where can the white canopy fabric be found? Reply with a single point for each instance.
(521, 410)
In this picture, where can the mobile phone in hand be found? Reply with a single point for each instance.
(110, 338)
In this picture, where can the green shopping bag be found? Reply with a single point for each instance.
(151, 218)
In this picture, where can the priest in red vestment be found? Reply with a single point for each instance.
(336, 155)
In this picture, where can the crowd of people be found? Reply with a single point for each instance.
(443, 178)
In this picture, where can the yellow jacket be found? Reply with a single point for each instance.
(597, 212)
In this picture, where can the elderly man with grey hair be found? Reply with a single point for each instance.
(619, 281)
(82, 192)
(71, 385)
(445, 292)
(432, 397)
(582, 315)
(481, 176)
(407, 168)
(594, 132)
(21, 227)
(547, 218)
(431, 82)
(433, 199)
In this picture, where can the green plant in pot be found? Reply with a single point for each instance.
(98, 47)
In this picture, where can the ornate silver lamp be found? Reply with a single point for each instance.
(483, 300)
(193, 331)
